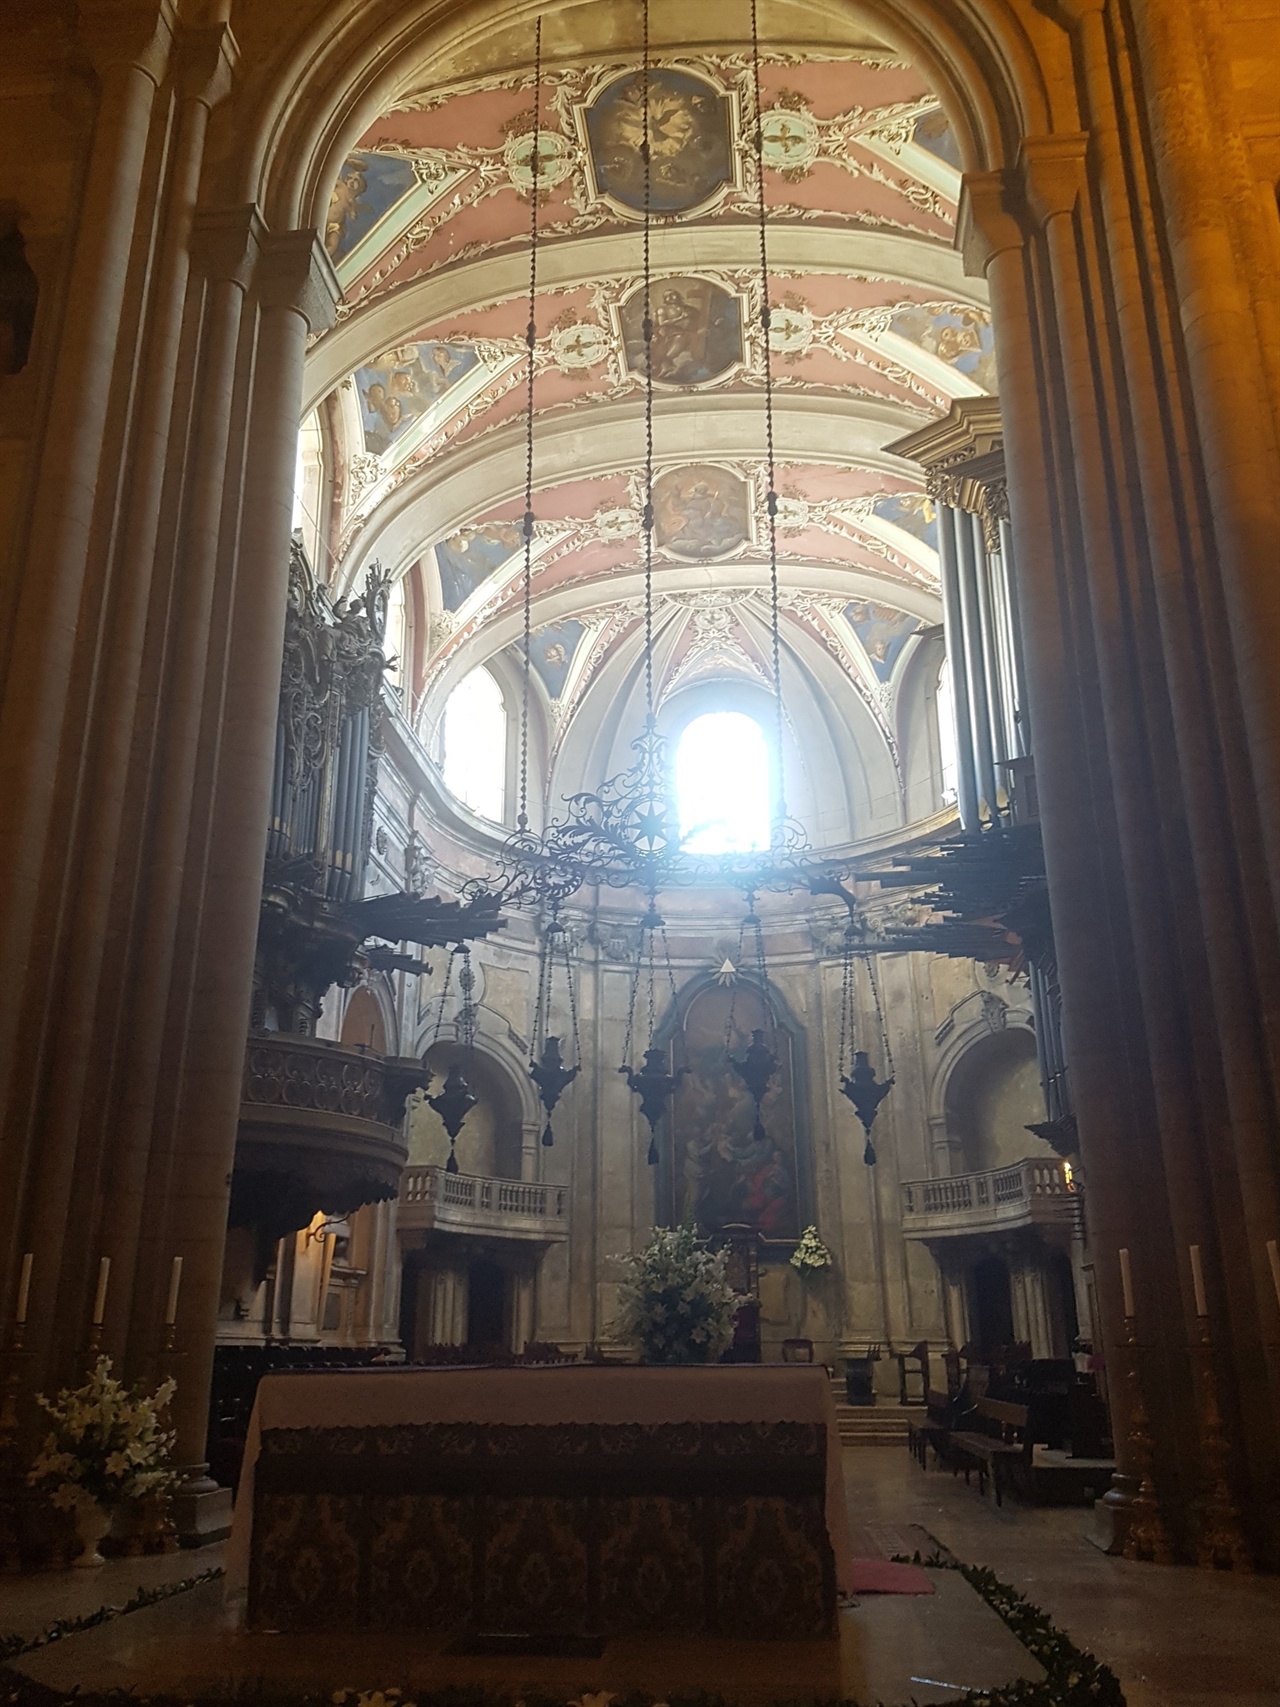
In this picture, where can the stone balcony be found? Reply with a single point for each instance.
(320, 1129)
(1030, 1194)
(433, 1200)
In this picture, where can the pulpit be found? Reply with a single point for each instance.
(571, 1501)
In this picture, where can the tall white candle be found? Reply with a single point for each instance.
(1126, 1282)
(24, 1287)
(1197, 1281)
(175, 1281)
(100, 1297)
(1273, 1257)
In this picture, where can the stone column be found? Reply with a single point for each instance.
(522, 1307)
(296, 290)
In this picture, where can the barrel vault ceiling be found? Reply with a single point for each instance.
(421, 386)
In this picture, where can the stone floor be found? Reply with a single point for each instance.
(1177, 1637)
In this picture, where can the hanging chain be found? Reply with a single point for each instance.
(771, 495)
(671, 976)
(737, 967)
(646, 155)
(543, 1003)
(846, 1005)
(530, 338)
(444, 994)
(467, 984)
(884, 1030)
(652, 995)
(631, 1005)
(573, 1001)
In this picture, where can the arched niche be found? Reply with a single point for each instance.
(364, 1022)
(713, 1165)
(991, 1095)
(489, 1143)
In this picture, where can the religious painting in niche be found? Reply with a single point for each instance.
(914, 512)
(690, 141)
(883, 633)
(368, 186)
(960, 337)
(701, 512)
(551, 652)
(697, 331)
(470, 556)
(401, 384)
(723, 1174)
(932, 130)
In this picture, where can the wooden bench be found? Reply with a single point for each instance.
(995, 1443)
(933, 1429)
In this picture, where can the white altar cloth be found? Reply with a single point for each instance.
(376, 1398)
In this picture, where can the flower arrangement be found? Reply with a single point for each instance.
(676, 1303)
(106, 1444)
(810, 1256)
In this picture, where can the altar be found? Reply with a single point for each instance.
(572, 1500)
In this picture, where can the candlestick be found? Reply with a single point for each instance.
(24, 1288)
(1273, 1257)
(175, 1281)
(1126, 1282)
(1197, 1282)
(100, 1297)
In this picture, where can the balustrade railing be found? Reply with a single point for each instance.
(494, 1201)
(996, 1192)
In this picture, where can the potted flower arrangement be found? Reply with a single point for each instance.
(810, 1256)
(676, 1304)
(106, 1446)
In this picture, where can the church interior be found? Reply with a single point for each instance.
(640, 800)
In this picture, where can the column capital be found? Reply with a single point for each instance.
(227, 241)
(1052, 169)
(294, 271)
(207, 61)
(116, 33)
(986, 226)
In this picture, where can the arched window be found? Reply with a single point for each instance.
(396, 641)
(475, 745)
(947, 733)
(722, 784)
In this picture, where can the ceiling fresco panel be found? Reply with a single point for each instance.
(691, 141)
(697, 330)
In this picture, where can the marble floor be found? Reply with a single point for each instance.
(1177, 1637)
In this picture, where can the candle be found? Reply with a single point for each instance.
(24, 1287)
(1126, 1282)
(100, 1297)
(1197, 1281)
(175, 1281)
(1273, 1257)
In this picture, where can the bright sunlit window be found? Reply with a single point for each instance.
(475, 745)
(947, 732)
(722, 784)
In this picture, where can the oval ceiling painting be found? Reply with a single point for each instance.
(690, 139)
(697, 331)
(701, 512)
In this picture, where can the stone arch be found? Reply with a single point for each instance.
(314, 97)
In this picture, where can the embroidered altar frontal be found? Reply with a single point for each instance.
(567, 1528)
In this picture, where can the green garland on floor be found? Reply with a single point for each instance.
(12, 1646)
(1073, 1677)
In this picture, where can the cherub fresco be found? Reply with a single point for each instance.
(882, 631)
(401, 384)
(368, 186)
(962, 338)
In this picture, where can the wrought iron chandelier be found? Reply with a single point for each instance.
(625, 833)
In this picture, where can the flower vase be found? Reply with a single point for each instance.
(93, 1522)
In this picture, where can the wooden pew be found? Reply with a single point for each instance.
(994, 1442)
(934, 1429)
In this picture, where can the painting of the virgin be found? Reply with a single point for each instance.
(729, 1171)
